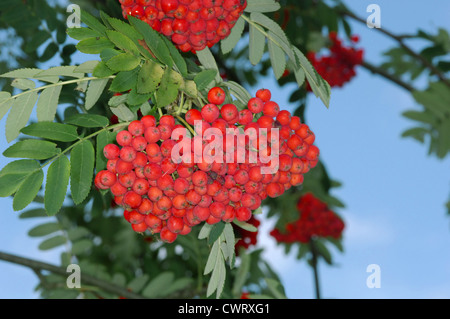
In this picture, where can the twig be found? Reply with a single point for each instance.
(90, 280)
(427, 64)
(372, 68)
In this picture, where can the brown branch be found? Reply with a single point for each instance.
(376, 70)
(37, 266)
(427, 64)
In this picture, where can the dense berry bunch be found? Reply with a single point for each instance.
(246, 238)
(169, 181)
(315, 219)
(338, 67)
(190, 24)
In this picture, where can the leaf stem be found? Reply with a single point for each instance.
(82, 140)
(58, 84)
(186, 124)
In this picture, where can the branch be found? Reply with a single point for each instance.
(376, 70)
(37, 265)
(427, 64)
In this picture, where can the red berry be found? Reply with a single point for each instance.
(216, 96)
(124, 138)
(167, 236)
(111, 151)
(243, 214)
(169, 6)
(264, 95)
(271, 109)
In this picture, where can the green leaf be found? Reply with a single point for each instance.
(5, 103)
(136, 99)
(179, 284)
(150, 76)
(93, 22)
(56, 186)
(86, 67)
(215, 233)
(48, 103)
(257, 43)
(178, 59)
(33, 149)
(238, 91)
(417, 133)
(277, 59)
(68, 71)
(52, 242)
(23, 84)
(81, 246)
(275, 288)
(49, 52)
(262, 6)
(212, 258)
(88, 120)
(102, 70)
(270, 25)
(204, 232)
(94, 91)
(319, 86)
(124, 81)
(28, 190)
(32, 213)
(19, 114)
(205, 79)
(77, 233)
(107, 54)
(44, 229)
(236, 33)
(217, 280)
(123, 62)
(168, 89)
(303, 250)
(242, 273)
(138, 283)
(122, 42)
(245, 226)
(25, 73)
(323, 251)
(125, 29)
(37, 40)
(82, 160)
(153, 40)
(13, 175)
(123, 113)
(159, 285)
(424, 117)
(82, 33)
(207, 60)
(94, 45)
(230, 242)
(52, 131)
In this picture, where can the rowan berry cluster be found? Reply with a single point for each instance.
(168, 181)
(338, 67)
(315, 219)
(190, 24)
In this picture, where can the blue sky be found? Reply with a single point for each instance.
(394, 192)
